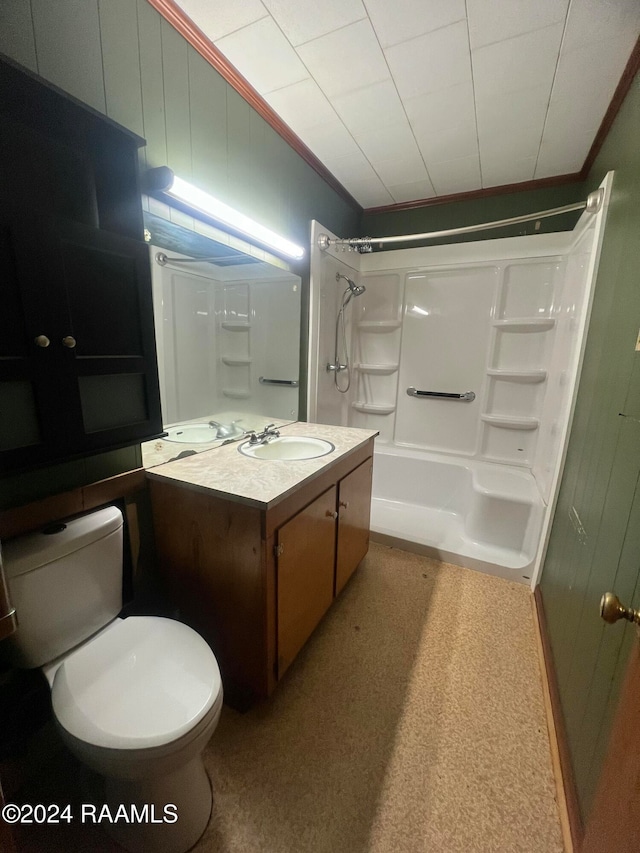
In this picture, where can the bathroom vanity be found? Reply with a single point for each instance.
(254, 551)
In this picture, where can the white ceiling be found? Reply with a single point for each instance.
(411, 99)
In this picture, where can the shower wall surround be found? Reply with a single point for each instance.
(217, 338)
(501, 318)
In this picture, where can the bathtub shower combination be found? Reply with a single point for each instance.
(466, 358)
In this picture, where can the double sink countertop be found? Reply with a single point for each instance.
(227, 473)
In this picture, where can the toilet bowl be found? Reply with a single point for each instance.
(137, 700)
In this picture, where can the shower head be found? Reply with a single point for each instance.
(356, 289)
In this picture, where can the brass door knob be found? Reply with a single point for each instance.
(69, 342)
(611, 609)
(42, 341)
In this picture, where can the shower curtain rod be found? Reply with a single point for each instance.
(364, 244)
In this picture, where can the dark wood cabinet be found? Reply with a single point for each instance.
(256, 582)
(78, 369)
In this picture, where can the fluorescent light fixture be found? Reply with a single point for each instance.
(207, 205)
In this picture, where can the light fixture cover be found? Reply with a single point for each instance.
(200, 202)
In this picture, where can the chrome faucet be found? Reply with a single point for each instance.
(265, 436)
(223, 430)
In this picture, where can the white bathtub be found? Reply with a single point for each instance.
(475, 514)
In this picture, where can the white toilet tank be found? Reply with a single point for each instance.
(65, 583)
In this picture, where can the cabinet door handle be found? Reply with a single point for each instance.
(331, 514)
(345, 504)
(69, 342)
(42, 341)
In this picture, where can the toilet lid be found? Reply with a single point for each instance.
(144, 682)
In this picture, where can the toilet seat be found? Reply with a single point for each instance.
(144, 682)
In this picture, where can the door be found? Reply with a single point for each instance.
(305, 563)
(354, 510)
(614, 821)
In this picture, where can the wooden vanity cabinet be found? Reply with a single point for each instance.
(256, 582)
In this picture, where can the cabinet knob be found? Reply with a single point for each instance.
(69, 342)
(331, 514)
(345, 504)
(42, 341)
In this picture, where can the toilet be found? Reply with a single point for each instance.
(135, 699)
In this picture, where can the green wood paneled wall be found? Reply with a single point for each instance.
(122, 58)
(601, 477)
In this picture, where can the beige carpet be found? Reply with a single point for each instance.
(412, 721)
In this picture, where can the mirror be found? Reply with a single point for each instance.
(227, 336)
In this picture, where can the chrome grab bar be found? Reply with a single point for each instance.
(289, 383)
(467, 397)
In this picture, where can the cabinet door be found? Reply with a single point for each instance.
(94, 385)
(306, 553)
(32, 421)
(354, 510)
(107, 284)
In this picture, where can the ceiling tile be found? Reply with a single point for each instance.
(405, 19)
(411, 192)
(391, 140)
(371, 107)
(563, 156)
(591, 21)
(431, 62)
(371, 193)
(496, 171)
(345, 60)
(401, 170)
(596, 67)
(329, 140)
(498, 112)
(353, 167)
(518, 63)
(449, 143)
(301, 105)
(263, 55)
(304, 20)
(224, 16)
(456, 176)
(510, 125)
(496, 20)
(444, 108)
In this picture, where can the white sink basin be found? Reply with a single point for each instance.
(197, 434)
(288, 447)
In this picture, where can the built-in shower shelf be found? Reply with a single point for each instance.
(526, 324)
(528, 376)
(378, 369)
(236, 393)
(373, 408)
(236, 362)
(236, 325)
(379, 325)
(511, 422)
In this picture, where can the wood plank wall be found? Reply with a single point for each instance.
(595, 540)
(124, 59)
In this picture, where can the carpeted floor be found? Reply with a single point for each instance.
(412, 721)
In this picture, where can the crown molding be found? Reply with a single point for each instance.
(179, 20)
